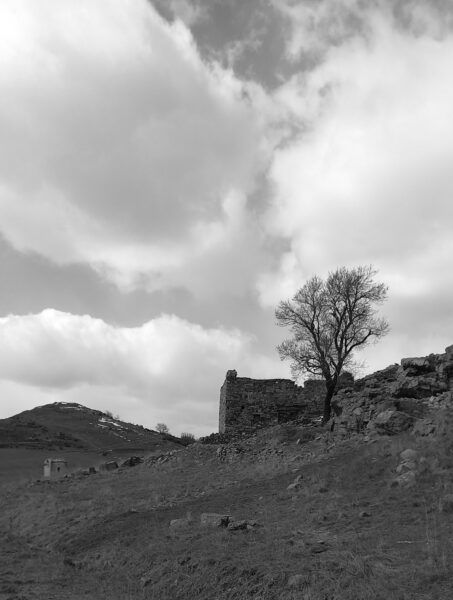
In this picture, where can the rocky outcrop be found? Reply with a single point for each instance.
(396, 398)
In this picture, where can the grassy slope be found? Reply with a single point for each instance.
(71, 431)
(73, 426)
(107, 536)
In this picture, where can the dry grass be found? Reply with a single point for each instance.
(344, 533)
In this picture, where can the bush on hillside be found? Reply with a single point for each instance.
(187, 438)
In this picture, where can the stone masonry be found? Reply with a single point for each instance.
(249, 404)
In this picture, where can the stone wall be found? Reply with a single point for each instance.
(249, 404)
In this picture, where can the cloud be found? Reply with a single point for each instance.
(167, 369)
(367, 178)
(316, 27)
(120, 142)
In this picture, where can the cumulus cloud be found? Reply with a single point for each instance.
(120, 141)
(167, 369)
(368, 177)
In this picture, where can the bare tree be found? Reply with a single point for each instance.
(162, 428)
(329, 319)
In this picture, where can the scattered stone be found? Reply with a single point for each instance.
(215, 520)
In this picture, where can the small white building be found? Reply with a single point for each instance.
(55, 467)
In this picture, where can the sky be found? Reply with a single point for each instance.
(171, 169)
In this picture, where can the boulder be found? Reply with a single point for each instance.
(177, 525)
(236, 525)
(132, 461)
(408, 465)
(405, 480)
(215, 520)
(110, 465)
(391, 422)
(416, 366)
(409, 454)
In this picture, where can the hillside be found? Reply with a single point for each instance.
(311, 517)
(360, 509)
(81, 435)
(71, 426)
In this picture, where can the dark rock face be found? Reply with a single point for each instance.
(394, 399)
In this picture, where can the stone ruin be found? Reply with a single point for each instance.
(402, 396)
(250, 404)
(54, 468)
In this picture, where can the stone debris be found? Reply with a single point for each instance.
(215, 520)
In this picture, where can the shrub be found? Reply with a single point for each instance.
(187, 438)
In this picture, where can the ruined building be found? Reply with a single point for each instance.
(55, 468)
(249, 404)
(405, 396)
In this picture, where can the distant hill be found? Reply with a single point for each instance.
(71, 426)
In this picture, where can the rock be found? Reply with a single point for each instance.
(109, 465)
(318, 547)
(424, 427)
(236, 525)
(405, 480)
(392, 422)
(215, 520)
(409, 454)
(363, 514)
(132, 461)
(415, 366)
(177, 524)
(295, 485)
(408, 465)
(446, 503)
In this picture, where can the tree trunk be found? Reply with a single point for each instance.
(330, 390)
